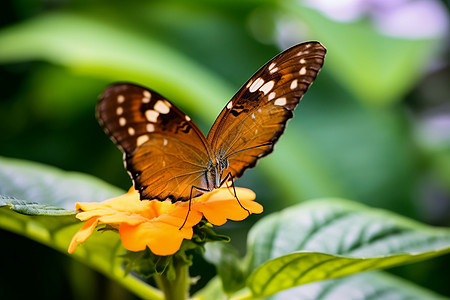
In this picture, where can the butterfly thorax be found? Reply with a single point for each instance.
(213, 173)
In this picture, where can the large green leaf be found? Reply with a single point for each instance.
(365, 286)
(35, 182)
(331, 238)
(34, 208)
(38, 190)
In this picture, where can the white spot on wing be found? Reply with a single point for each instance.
(161, 107)
(302, 60)
(256, 85)
(142, 139)
(120, 99)
(187, 118)
(273, 70)
(272, 65)
(249, 84)
(131, 131)
(147, 95)
(122, 121)
(267, 87)
(271, 96)
(119, 110)
(302, 71)
(165, 142)
(294, 84)
(150, 127)
(151, 115)
(253, 116)
(230, 104)
(280, 101)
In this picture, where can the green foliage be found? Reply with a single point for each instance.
(36, 184)
(229, 265)
(370, 285)
(50, 185)
(146, 264)
(33, 208)
(337, 238)
(57, 38)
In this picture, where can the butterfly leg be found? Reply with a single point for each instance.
(229, 175)
(190, 200)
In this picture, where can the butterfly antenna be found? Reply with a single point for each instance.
(262, 145)
(229, 175)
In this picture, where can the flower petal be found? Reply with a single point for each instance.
(178, 214)
(161, 238)
(222, 205)
(83, 234)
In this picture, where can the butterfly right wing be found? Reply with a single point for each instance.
(255, 118)
(165, 153)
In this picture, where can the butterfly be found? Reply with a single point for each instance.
(168, 156)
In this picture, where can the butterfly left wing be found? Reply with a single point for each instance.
(165, 153)
(254, 119)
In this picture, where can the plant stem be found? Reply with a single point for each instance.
(178, 288)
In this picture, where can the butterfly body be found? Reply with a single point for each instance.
(167, 155)
(213, 173)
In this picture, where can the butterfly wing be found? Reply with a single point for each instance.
(164, 151)
(254, 119)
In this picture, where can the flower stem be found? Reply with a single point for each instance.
(178, 288)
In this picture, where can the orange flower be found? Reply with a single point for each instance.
(156, 224)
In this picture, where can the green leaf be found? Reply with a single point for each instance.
(54, 227)
(34, 208)
(371, 285)
(47, 185)
(228, 264)
(331, 238)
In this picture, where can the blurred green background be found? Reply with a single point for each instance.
(373, 128)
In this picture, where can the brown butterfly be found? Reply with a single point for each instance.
(167, 155)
